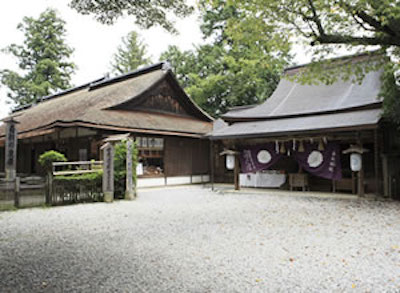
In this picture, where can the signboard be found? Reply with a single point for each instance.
(11, 149)
(108, 172)
(129, 194)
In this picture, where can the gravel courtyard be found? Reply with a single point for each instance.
(190, 239)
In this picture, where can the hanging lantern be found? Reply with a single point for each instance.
(283, 148)
(355, 152)
(294, 144)
(355, 162)
(321, 145)
(301, 147)
(230, 158)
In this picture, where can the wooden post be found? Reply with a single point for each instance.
(129, 192)
(361, 190)
(212, 163)
(236, 173)
(360, 174)
(108, 172)
(11, 149)
(353, 183)
(49, 189)
(376, 162)
(17, 189)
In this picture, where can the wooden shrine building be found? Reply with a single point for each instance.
(148, 103)
(302, 137)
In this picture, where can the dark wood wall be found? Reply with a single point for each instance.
(2, 159)
(186, 156)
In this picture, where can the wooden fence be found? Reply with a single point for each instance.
(67, 186)
(22, 192)
(61, 186)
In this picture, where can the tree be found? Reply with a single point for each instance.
(229, 72)
(42, 59)
(130, 55)
(326, 26)
(183, 62)
(146, 13)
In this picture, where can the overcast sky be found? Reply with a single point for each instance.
(93, 42)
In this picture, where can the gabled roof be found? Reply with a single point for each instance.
(294, 99)
(94, 105)
(299, 108)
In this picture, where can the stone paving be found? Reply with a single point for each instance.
(189, 239)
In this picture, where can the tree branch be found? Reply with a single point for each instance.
(316, 18)
(374, 23)
(350, 40)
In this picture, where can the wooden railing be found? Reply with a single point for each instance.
(83, 167)
(63, 190)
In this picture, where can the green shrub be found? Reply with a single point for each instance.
(95, 176)
(47, 158)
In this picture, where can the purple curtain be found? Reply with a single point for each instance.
(257, 158)
(325, 164)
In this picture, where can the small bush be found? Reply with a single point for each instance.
(47, 158)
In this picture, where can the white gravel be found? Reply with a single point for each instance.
(193, 240)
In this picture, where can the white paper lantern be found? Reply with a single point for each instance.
(230, 162)
(355, 162)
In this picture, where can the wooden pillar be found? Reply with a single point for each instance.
(130, 192)
(17, 189)
(376, 162)
(10, 156)
(108, 172)
(49, 187)
(212, 163)
(360, 174)
(353, 183)
(236, 172)
(361, 190)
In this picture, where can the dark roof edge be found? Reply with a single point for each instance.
(56, 95)
(87, 124)
(374, 53)
(144, 70)
(372, 105)
(368, 126)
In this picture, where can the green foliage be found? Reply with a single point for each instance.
(120, 167)
(391, 94)
(325, 22)
(95, 176)
(233, 69)
(146, 13)
(130, 55)
(43, 59)
(47, 158)
(328, 27)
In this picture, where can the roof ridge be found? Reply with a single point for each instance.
(58, 94)
(374, 53)
(157, 66)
